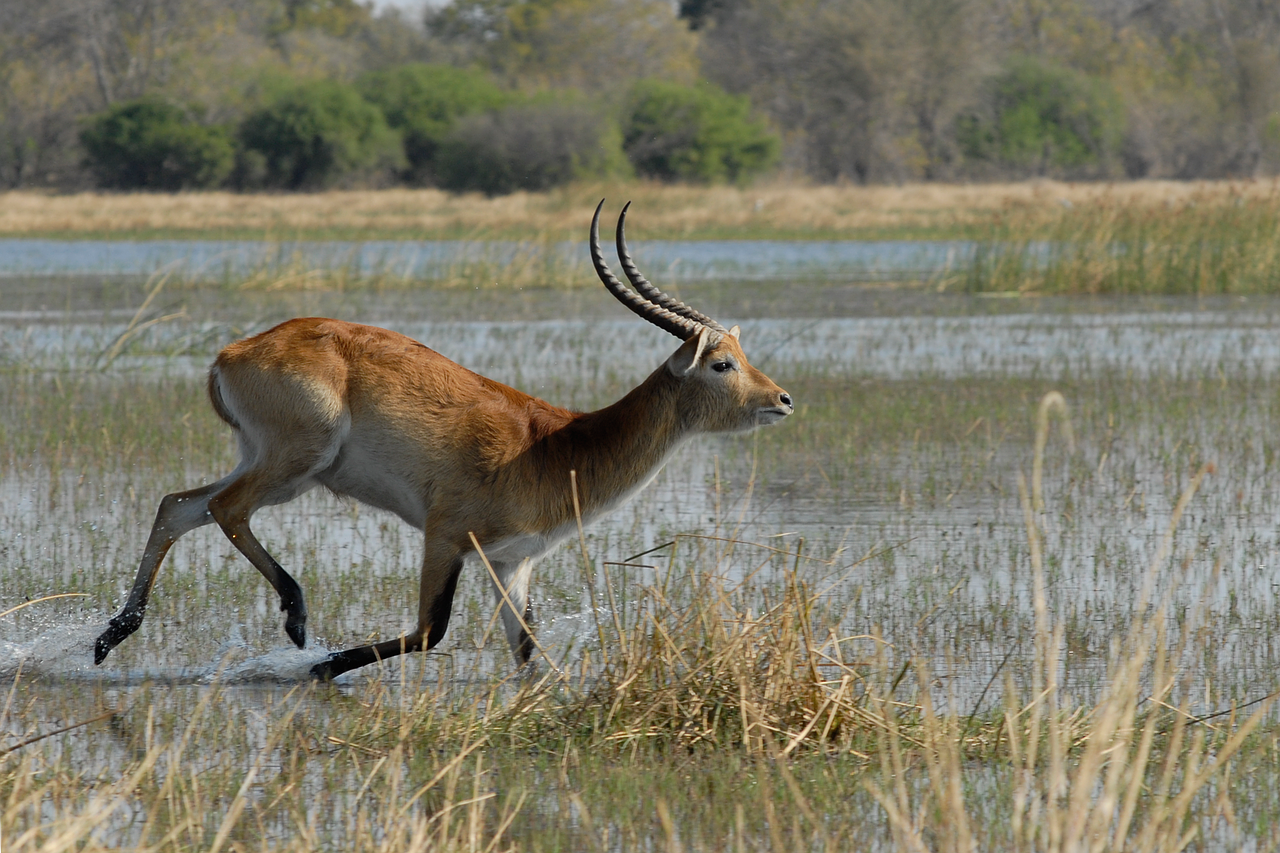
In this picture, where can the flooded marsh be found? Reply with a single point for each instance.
(793, 639)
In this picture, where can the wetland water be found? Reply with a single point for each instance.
(688, 260)
(899, 471)
(915, 417)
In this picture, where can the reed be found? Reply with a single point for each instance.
(1135, 770)
(1201, 244)
(166, 798)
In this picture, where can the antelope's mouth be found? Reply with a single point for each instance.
(772, 414)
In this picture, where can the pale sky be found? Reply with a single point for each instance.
(408, 5)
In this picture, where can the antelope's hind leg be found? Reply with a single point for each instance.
(178, 513)
(232, 508)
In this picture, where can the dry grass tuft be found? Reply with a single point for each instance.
(166, 798)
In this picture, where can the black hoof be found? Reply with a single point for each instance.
(101, 648)
(324, 671)
(295, 623)
(117, 630)
(296, 617)
(297, 632)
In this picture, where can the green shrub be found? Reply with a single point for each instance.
(531, 146)
(694, 133)
(1271, 140)
(424, 102)
(316, 135)
(1043, 117)
(154, 145)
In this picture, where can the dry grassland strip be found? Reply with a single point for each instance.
(781, 211)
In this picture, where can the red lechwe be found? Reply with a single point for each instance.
(375, 415)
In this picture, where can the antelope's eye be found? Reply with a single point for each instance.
(721, 366)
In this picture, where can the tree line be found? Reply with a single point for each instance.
(500, 95)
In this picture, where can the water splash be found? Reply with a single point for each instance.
(65, 652)
(61, 650)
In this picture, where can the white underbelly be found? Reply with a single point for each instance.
(362, 478)
(527, 546)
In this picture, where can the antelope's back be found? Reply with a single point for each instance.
(375, 414)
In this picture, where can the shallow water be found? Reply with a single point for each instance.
(899, 472)
(686, 260)
(1156, 388)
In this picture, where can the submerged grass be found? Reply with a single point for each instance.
(88, 422)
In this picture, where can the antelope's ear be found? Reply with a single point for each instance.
(690, 353)
(735, 331)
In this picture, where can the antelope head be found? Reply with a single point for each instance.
(719, 390)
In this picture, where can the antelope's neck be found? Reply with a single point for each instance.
(617, 450)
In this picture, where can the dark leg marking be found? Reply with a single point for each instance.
(524, 651)
(177, 514)
(231, 510)
(433, 621)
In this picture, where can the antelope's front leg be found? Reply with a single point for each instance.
(514, 580)
(440, 570)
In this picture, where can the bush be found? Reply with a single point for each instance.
(1043, 118)
(694, 133)
(316, 135)
(531, 146)
(1271, 141)
(154, 145)
(424, 102)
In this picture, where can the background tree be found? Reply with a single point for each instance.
(1044, 119)
(42, 95)
(531, 146)
(590, 45)
(862, 90)
(830, 71)
(424, 102)
(151, 144)
(316, 135)
(694, 133)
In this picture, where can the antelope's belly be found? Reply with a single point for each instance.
(527, 546)
(531, 546)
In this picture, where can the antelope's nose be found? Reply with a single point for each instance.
(785, 399)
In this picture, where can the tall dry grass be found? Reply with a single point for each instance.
(168, 798)
(1203, 243)
(1135, 770)
(760, 212)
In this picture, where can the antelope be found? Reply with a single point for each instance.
(476, 465)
